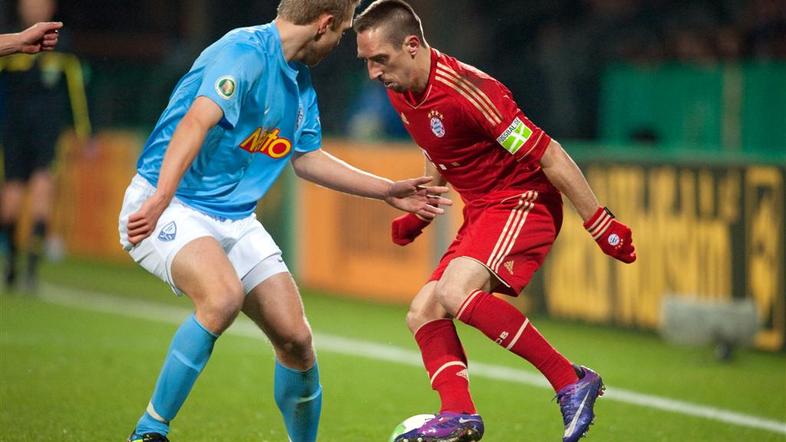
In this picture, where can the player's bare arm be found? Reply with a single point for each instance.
(566, 176)
(613, 237)
(185, 144)
(438, 180)
(412, 195)
(39, 37)
(432, 171)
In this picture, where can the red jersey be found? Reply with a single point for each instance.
(470, 128)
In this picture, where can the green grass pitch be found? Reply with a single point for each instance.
(74, 373)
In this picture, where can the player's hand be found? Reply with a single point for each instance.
(406, 228)
(414, 196)
(41, 36)
(613, 237)
(142, 223)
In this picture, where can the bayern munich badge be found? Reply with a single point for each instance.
(436, 123)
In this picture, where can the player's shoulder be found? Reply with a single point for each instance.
(249, 41)
(472, 89)
(452, 68)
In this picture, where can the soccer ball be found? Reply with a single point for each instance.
(410, 424)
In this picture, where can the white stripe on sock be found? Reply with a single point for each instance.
(444, 366)
(154, 414)
(518, 335)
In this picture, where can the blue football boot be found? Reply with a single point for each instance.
(576, 402)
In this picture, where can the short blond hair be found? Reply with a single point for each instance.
(303, 12)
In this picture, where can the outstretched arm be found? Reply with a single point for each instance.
(39, 37)
(412, 195)
(613, 237)
(563, 172)
(183, 148)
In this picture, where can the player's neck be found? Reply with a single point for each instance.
(293, 38)
(422, 72)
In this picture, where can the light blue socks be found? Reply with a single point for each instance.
(298, 394)
(188, 354)
(299, 397)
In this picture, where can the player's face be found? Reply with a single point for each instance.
(390, 65)
(326, 42)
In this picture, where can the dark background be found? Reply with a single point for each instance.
(550, 53)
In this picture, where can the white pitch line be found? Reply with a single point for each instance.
(325, 342)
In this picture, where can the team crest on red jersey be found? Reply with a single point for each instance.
(437, 126)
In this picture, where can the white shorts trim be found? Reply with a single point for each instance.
(272, 265)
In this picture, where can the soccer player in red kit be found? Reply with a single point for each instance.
(510, 175)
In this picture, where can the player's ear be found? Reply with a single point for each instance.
(325, 22)
(411, 45)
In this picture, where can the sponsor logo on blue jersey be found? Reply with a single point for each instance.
(267, 142)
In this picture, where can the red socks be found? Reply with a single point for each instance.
(508, 327)
(446, 364)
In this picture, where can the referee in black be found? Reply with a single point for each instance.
(35, 111)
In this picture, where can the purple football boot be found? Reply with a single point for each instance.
(576, 402)
(447, 427)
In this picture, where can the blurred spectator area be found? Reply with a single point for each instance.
(607, 70)
(730, 106)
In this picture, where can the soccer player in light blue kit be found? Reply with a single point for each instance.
(244, 110)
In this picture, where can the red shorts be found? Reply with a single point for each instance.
(509, 234)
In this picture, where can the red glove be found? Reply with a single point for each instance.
(407, 227)
(613, 237)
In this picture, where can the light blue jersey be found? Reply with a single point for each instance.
(270, 110)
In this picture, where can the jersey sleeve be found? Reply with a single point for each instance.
(311, 134)
(227, 78)
(500, 118)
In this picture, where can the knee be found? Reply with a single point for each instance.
(296, 344)
(219, 310)
(416, 317)
(449, 295)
